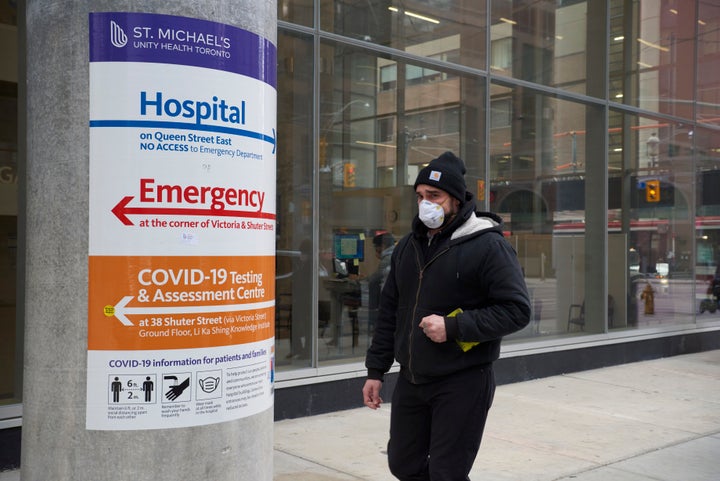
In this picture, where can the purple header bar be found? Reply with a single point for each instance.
(155, 38)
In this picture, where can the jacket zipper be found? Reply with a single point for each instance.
(412, 317)
(417, 296)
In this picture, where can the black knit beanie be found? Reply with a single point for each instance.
(447, 172)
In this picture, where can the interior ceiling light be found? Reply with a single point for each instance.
(415, 15)
(422, 17)
(673, 11)
(375, 144)
(619, 38)
(507, 20)
(653, 45)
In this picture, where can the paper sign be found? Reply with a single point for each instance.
(181, 287)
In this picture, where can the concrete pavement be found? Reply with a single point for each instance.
(656, 420)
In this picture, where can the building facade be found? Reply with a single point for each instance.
(592, 127)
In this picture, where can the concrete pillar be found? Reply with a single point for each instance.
(56, 443)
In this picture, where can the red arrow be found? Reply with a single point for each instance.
(121, 211)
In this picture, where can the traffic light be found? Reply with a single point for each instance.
(652, 190)
(481, 190)
(348, 175)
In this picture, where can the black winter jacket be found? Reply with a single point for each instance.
(468, 265)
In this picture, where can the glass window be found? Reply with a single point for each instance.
(650, 222)
(501, 51)
(378, 130)
(570, 179)
(708, 63)
(500, 113)
(537, 185)
(10, 348)
(707, 226)
(541, 41)
(296, 11)
(415, 26)
(652, 52)
(388, 77)
(294, 310)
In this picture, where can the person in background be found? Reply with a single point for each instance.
(454, 289)
(384, 243)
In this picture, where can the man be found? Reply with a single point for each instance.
(455, 288)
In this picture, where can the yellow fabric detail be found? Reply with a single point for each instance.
(465, 346)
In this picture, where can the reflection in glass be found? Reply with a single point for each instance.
(537, 182)
(296, 11)
(380, 121)
(8, 269)
(10, 324)
(540, 41)
(294, 309)
(652, 52)
(446, 30)
(10, 349)
(558, 168)
(707, 225)
(708, 51)
(650, 217)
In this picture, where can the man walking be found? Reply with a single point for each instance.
(455, 288)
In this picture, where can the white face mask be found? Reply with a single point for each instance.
(432, 215)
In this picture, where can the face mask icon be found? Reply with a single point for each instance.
(209, 384)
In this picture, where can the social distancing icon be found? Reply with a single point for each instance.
(132, 389)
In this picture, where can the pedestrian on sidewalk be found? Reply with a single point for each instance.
(455, 288)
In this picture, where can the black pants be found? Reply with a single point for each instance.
(436, 428)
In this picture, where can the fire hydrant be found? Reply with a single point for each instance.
(648, 295)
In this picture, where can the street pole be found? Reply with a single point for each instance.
(163, 413)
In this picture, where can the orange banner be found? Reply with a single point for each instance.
(178, 302)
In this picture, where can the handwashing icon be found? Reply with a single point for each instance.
(176, 391)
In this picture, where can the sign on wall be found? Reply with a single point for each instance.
(181, 222)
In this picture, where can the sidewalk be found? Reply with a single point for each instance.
(656, 420)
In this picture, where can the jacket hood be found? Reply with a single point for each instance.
(478, 222)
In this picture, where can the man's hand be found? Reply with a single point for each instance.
(371, 393)
(434, 327)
